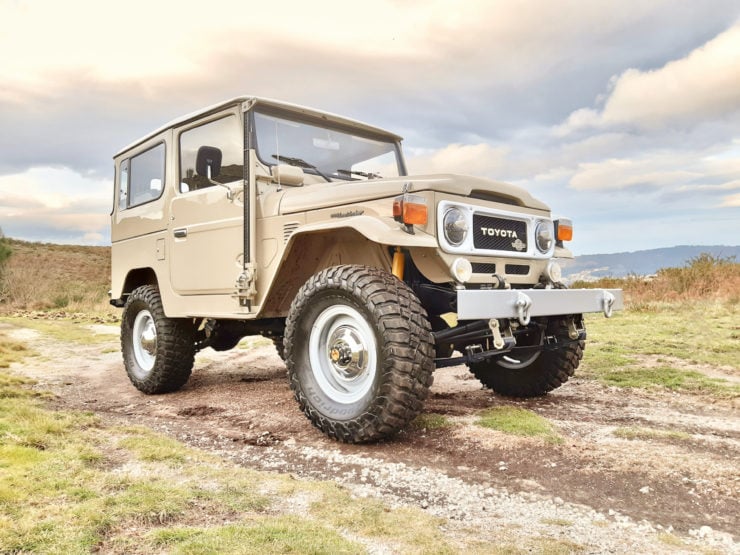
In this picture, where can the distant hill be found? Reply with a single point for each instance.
(593, 266)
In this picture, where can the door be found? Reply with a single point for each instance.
(207, 215)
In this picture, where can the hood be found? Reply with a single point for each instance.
(340, 193)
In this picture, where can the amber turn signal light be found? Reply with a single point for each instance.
(410, 210)
(564, 229)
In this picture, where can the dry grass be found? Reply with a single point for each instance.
(705, 277)
(41, 276)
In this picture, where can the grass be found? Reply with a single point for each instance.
(42, 276)
(700, 332)
(72, 484)
(670, 378)
(682, 334)
(704, 277)
(67, 329)
(287, 534)
(11, 351)
(431, 421)
(650, 434)
(520, 422)
(407, 527)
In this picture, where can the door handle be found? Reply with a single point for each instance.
(180, 233)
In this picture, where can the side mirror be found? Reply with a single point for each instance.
(208, 161)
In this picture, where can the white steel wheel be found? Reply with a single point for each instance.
(343, 354)
(158, 352)
(359, 351)
(144, 338)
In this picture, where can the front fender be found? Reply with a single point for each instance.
(382, 231)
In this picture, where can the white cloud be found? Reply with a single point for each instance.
(55, 202)
(476, 85)
(704, 85)
(475, 159)
(731, 201)
(624, 173)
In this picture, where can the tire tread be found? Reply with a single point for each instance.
(407, 352)
(175, 344)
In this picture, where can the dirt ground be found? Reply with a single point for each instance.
(673, 487)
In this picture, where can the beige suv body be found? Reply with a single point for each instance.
(256, 216)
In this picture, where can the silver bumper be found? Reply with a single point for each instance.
(525, 303)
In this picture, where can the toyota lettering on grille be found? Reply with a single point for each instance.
(493, 232)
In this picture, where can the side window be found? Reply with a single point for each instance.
(146, 177)
(123, 185)
(211, 153)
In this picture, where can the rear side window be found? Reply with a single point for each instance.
(142, 177)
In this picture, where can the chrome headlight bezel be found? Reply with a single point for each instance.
(454, 226)
(544, 236)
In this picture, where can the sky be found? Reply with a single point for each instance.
(623, 115)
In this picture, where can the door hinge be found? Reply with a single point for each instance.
(246, 285)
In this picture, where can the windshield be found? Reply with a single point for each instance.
(330, 152)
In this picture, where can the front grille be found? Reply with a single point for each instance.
(499, 234)
(483, 268)
(517, 269)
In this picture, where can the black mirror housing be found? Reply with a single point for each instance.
(208, 157)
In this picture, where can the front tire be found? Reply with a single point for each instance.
(536, 373)
(158, 352)
(359, 352)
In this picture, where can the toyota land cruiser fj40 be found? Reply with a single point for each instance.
(260, 217)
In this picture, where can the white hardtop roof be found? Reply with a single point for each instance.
(267, 102)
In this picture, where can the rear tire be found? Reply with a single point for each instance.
(158, 352)
(536, 373)
(359, 352)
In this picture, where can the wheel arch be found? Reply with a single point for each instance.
(310, 250)
(136, 278)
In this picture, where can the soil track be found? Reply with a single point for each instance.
(595, 490)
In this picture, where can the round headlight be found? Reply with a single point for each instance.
(455, 227)
(543, 236)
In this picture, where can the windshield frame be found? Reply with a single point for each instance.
(323, 122)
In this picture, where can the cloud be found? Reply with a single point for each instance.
(731, 200)
(621, 174)
(705, 85)
(473, 159)
(55, 204)
(486, 88)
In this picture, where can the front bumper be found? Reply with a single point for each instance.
(522, 304)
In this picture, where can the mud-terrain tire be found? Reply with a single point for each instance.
(359, 352)
(158, 352)
(279, 346)
(535, 374)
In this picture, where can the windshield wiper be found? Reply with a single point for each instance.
(362, 174)
(300, 163)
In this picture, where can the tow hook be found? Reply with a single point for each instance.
(608, 303)
(523, 305)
